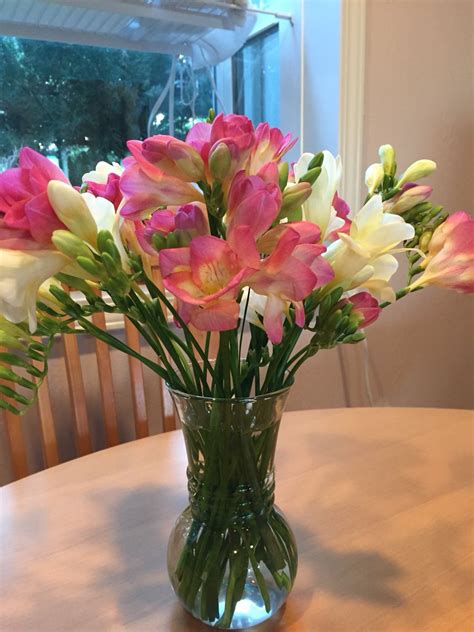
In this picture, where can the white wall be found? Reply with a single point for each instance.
(417, 96)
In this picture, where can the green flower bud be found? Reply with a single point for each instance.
(311, 175)
(220, 162)
(334, 319)
(172, 240)
(102, 237)
(70, 245)
(211, 115)
(425, 239)
(316, 161)
(283, 170)
(91, 266)
(158, 241)
(294, 196)
(387, 158)
(10, 342)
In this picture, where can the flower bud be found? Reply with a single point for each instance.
(316, 161)
(283, 170)
(10, 342)
(172, 240)
(220, 161)
(424, 240)
(294, 196)
(71, 208)
(159, 241)
(311, 175)
(91, 266)
(70, 245)
(418, 169)
(410, 198)
(211, 115)
(374, 177)
(387, 158)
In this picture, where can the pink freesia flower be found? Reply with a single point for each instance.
(234, 130)
(24, 202)
(186, 221)
(450, 260)
(270, 145)
(287, 276)
(269, 173)
(365, 306)
(109, 190)
(205, 278)
(252, 202)
(308, 233)
(199, 137)
(172, 156)
(147, 189)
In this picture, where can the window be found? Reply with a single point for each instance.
(256, 78)
(79, 104)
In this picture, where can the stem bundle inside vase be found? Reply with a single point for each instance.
(231, 546)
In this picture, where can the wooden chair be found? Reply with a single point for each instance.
(16, 440)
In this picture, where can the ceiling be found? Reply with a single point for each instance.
(166, 26)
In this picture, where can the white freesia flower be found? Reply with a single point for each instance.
(375, 278)
(21, 275)
(364, 256)
(374, 176)
(102, 171)
(255, 308)
(106, 218)
(318, 207)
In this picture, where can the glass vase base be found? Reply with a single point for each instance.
(249, 611)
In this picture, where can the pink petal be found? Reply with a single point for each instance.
(42, 169)
(242, 242)
(283, 250)
(42, 219)
(181, 285)
(174, 260)
(300, 316)
(13, 239)
(220, 316)
(257, 211)
(273, 318)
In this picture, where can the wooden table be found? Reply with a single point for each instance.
(379, 499)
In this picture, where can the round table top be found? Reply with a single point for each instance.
(379, 500)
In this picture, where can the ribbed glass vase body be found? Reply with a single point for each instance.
(232, 556)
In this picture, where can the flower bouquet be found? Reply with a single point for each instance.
(217, 236)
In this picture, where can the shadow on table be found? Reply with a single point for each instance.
(140, 523)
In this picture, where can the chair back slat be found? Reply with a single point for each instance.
(15, 437)
(17, 445)
(48, 432)
(77, 394)
(104, 367)
(137, 382)
(168, 413)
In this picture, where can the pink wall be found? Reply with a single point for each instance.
(418, 96)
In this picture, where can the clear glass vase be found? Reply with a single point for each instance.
(231, 556)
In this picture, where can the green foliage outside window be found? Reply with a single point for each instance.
(81, 103)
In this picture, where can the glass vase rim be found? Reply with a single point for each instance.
(233, 400)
